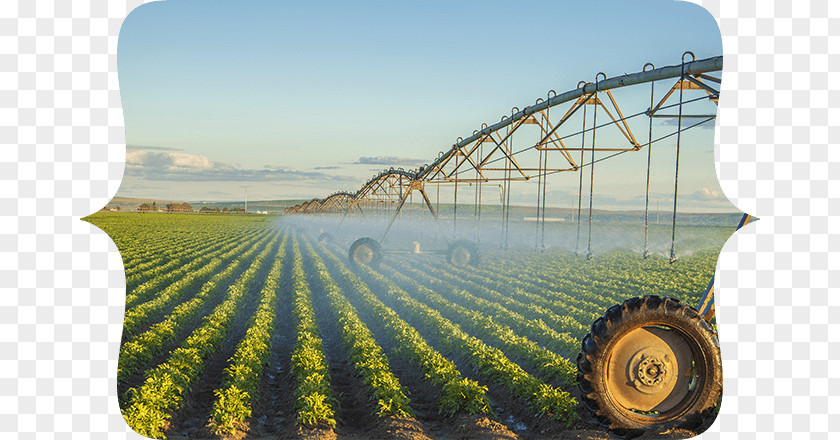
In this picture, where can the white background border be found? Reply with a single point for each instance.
(62, 157)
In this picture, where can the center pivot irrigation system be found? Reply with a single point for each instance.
(649, 363)
(593, 124)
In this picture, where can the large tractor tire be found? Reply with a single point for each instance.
(650, 364)
(365, 252)
(462, 253)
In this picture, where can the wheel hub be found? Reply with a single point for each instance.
(652, 371)
(460, 256)
(363, 255)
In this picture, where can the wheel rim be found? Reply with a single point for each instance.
(460, 256)
(363, 255)
(651, 372)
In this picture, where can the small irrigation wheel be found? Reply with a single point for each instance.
(650, 364)
(462, 253)
(365, 252)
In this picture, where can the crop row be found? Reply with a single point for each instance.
(579, 308)
(365, 353)
(503, 329)
(143, 236)
(544, 399)
(170, 263)
(154, 286)
(163, 245)
(559, 333)
(141, 242)
(140, 258)
(233, 400)
(538, 268)
(150, 406)
(176, 292)
(313, 396)
(608, 279)
(141, 350)
(457, 393)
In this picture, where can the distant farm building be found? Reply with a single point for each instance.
(178, 207)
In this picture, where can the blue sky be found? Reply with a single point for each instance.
(300, 99)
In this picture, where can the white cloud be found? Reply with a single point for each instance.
(707, 193)
(170, 161)
(153, 166)
(388, 160)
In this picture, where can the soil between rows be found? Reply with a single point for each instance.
(511, 412)
(355, 409)
(191, 420)
(273, 416)
(274, 408)
(137, 378)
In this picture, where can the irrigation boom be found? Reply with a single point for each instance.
(692, 68)
(488, 155)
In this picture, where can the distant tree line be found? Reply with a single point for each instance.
(170, 207)
(225, 210)
(185, 207)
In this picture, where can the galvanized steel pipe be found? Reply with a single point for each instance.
(694, 67)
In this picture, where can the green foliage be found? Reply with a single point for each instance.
(518, 313)
(497, 325)
(139, 351)
(491, 362)
(149, 407)
(232, 406)
(458, 395)
(365, 354)
(314, 401)
(463, 395)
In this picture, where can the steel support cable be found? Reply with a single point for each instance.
(504, 202)
(592, 170)
(455, 211)
(626, 118)
(475, 207)
(645, 252)
(508, 172)
(437, 199)
(539, 197)
(580, 184)
(478, 238)
(627, 151)
(673, 256)
(545, 167)
(545, 182)
(510, 184)
(539, 186)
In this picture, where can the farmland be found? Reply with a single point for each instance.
(242, 326)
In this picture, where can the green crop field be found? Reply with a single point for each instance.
(240, 326)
